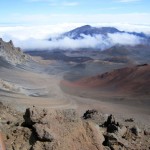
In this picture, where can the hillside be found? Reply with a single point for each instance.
(126, 80)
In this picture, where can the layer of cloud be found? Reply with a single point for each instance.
(91, 42)
(124, 39)
(66, 43)
(46, 31)
(34, 37)
(35, 32)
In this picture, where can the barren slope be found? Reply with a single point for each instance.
(126, 80)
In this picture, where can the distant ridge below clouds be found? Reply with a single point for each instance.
(97, 38)
(89, 30)
(92, 31)
(83, 37)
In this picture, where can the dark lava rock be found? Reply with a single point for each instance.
(146, 132)
(89, 113)
(129, 120)
(111, 121)
(112, 128)
(141, 65)
(34, 115)
(115, 142)
(9, 122)
(135, 130)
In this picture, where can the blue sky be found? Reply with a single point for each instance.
(29, 12)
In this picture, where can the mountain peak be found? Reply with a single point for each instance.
(89, 30)
(85, 27)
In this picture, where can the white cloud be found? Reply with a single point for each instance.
(124, 39)
(92, 42)
(127, 27)
(45, 31)
(36, 32)
(66, 43)
(32, 37)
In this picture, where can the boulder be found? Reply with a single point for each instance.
(122, 131)
(114, 141)
(34, 115)
(62, 130)
(112, 128)
(43, 133)
(146, 132)
(135, 130)
(129, 120)
(89, 113)
(111, 120)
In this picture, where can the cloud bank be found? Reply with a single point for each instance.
(31, 38)
(89, 42)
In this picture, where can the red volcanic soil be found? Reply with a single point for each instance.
(133, 80)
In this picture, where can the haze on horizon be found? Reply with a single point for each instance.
(28, 22)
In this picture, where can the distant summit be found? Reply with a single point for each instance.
(11, 54)
(80, 32)
(89, 30)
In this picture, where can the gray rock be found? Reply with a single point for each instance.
(129, 120)
(113, 140)
(112, 128)
(34, 115)
(122, 131)
(43, 133)
(89, 113)
(70, 115)
(146, 132)
(135, 130)
(111, 120)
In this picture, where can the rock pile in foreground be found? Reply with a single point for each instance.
(43, 129)
(62, 130)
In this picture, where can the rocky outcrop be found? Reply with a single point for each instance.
(43, 133)
(62, 130)
(43, 129)
(12, 54)
(89, 114)
(119, 135)
(135, 130)
(9, 86)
